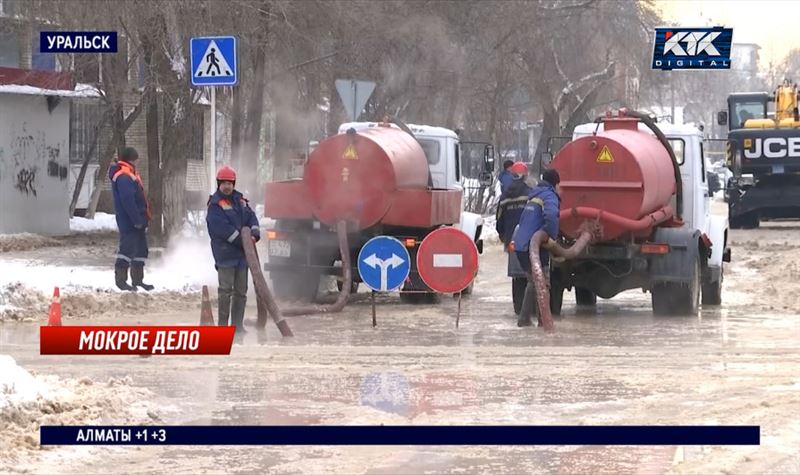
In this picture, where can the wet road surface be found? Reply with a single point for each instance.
(616, 364)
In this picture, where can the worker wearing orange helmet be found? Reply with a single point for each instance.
(228, 213)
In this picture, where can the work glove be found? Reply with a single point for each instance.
(256, 233)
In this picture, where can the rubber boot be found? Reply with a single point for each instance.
(224, 308)
(137, 274)
(121, 277)
(237, 317)
(528, 304)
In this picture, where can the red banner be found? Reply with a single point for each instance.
(141, 340)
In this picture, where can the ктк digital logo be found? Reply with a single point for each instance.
(692, 48)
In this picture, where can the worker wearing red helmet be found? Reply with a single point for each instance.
(509, 211)
(512, 202)
(228, 213)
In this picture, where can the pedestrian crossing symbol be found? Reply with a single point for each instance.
(214, 61)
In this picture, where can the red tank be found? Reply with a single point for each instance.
(355, 176)
(623, 176)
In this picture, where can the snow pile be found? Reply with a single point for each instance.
(186, 264)
(28, 401)
(101, 222)
(17, 386)
(178, 274)
(26, 287)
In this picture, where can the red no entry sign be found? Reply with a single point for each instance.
(447, 260)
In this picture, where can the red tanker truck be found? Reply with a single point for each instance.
(645, 185)
(381, 179)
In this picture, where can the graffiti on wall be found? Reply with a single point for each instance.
(26, 181)
(29, 151)
(54, 169)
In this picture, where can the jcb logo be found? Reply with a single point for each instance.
(773, 147)
(696, 42)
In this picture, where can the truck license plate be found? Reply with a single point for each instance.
(279, 248)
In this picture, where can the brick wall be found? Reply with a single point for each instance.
(25, 45)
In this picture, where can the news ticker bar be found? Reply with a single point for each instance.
(136, 340)
(400, 435)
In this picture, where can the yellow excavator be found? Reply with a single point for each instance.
(763, 154)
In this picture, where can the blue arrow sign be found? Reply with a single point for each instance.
(384, 264)
(214, 61)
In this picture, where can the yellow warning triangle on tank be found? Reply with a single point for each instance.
(605, 156)
(350, 153)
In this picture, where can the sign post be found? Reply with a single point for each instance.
(384, 265)
(354, 95)
(214, 63)
(447, 262)
(212, 162)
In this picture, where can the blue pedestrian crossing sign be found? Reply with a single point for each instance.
(214, 61)
(384, 264)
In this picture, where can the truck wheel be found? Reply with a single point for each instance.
(711, 293)
(678, 298)
(585, 297)
(518, 285)
(662, 299)
(556, 299)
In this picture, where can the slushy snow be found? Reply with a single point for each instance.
(186, 265)
(101, 222)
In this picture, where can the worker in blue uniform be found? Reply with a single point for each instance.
(540, 213)
(228, 213)
(133, 216)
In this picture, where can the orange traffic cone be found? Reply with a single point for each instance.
(55, 310)
(206, 317)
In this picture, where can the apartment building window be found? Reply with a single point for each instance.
(39, 60)
(9, 48)
(85, 123)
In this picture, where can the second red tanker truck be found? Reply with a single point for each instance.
(381, 179)
(645, 185)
